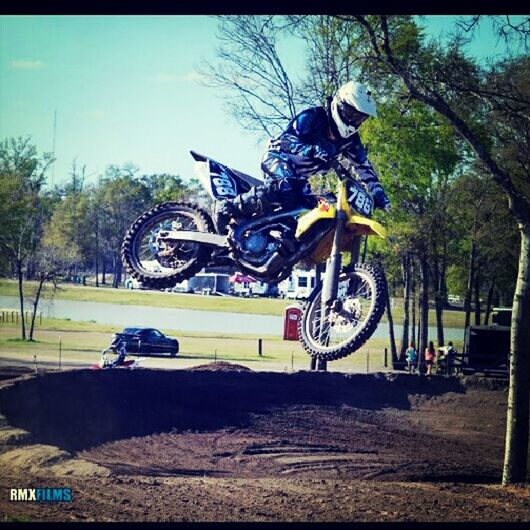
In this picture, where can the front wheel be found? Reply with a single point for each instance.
(157, 263)
(330, 333)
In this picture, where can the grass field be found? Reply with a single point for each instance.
(82, 342)
(261, 306)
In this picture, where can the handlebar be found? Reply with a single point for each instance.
(341, 171)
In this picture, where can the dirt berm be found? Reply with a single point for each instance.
(223, 443)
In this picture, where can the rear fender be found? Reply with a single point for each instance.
(220, 181)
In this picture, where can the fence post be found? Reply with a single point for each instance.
(386, 357)
(260, 347)
(60, 352)
(367, 361)
(35, 362)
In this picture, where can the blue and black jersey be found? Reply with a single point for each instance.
(307, 133)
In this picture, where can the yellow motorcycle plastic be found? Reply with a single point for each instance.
(356, 224)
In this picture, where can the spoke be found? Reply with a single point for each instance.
(333, 329)
(182, 252)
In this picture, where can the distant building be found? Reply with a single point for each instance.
(213, 282)
(300, 284)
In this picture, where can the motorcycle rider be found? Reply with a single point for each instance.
(122, 352)
(307, 146)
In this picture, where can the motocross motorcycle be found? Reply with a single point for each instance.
(105, 363)
(173, 241)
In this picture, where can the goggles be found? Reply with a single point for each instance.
(350, 115)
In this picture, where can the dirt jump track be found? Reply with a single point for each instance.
(223, 443)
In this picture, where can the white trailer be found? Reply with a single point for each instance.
(300, 284)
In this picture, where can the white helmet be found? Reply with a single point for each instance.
(350, 106)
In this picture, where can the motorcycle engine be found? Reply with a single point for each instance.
(255, 244)
(258, 246)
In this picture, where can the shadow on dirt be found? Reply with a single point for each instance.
(79, 409)
(460, 478)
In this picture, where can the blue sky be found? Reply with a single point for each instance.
(125, 90)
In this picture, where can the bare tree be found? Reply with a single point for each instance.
(49, 264)
(250, 72)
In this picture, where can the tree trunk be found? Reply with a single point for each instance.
(418, 331)
(438, 303)
(470, 275)
(489, 303)
(97, 251)
(424, 310)
(103, 277)
(365, 247)
(413, 292)
(391, 329)
(114, 275)
(406, 297)
(477, 298)
(35, 305)
(117, 271)
(21, 297)
(516, 450)
(439, 320)
(119, 267)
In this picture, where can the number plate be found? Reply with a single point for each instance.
(359, 199)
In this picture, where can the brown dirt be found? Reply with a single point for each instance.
(225, 444)
(222, 366)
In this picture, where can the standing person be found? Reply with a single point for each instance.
(311, 141)
(430, 355)
(412, 357)
(449, 357)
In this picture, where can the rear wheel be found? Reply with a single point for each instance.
(332, 333)
(159, 264)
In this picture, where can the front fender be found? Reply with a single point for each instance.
(365, 227)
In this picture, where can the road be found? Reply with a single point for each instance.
(182, 319)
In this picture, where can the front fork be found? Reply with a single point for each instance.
(331, 278)
(330, 285)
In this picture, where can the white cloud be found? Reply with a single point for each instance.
(27, 65)
(193, 77)
(165, 78)
(92, 115)
(96, 115)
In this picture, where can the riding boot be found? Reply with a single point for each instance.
(254, 202)
(223, 211)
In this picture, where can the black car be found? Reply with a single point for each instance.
(146, 340)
